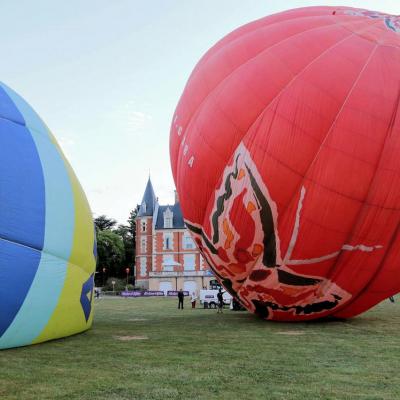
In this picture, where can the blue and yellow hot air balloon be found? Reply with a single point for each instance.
(47, 241)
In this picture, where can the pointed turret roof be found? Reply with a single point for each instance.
(149, 200)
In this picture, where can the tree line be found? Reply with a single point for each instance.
(116, 246)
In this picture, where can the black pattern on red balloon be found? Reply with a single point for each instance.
(246, 247)
(259, 275)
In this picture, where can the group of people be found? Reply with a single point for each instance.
(193, 299)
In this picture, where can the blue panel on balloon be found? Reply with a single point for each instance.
(8, 110)
(22, 194)
(18, 265)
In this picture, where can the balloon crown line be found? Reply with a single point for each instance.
(392, 22)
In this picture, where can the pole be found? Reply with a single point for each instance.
(104, 276)
(127, 276)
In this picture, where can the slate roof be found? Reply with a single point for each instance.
(148, 204)
(177, 220)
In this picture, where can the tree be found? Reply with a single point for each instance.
(132, 227)
(110, 252)
(115, 246)
(128, 234)
(103, 223)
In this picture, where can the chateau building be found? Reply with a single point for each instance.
(166, 255)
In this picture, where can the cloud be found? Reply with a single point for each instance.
(138, 121)
(132, 119)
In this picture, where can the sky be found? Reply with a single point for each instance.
(106, 77)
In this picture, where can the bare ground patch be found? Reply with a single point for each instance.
(128, 338)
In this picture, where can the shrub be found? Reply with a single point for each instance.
(119, 285)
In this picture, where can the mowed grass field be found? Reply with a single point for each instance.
(147, 349)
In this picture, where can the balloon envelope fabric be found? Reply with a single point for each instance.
(47, 242)
(285, 152)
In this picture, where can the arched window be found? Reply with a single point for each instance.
(168, 241)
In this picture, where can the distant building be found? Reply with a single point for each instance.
(166, 255)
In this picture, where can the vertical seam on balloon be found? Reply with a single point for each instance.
(333, 267)
(396, 230)
(277, 96)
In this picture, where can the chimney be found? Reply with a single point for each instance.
(176, 197)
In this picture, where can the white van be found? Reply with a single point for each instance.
(209, 296)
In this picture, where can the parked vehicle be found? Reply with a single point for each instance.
(208, 297)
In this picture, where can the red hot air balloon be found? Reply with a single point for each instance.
(285, 152)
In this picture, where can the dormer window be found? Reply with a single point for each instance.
(144, 208)
(168, 217)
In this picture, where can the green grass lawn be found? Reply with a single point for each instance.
(147, 349)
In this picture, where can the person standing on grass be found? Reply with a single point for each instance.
(181, 296)
(220, 299)
(193, 299)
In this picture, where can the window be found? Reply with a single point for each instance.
(168, 262)
(168, 241)
(143, 226)
(143, 244)
(143, 268)
(188, 242)
(168, 218)
(189, 262)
